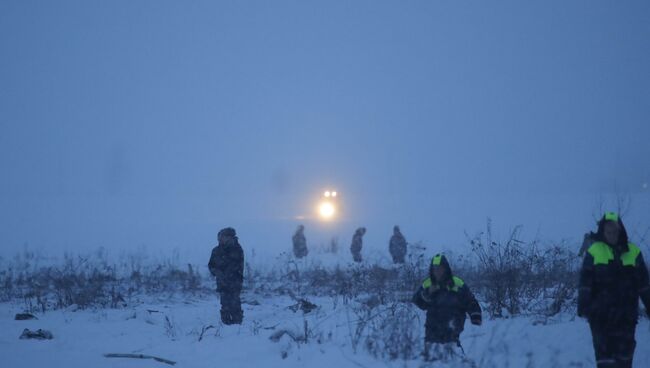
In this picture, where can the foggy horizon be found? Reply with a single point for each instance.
(157, 123)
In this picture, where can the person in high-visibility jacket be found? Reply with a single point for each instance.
(447, 300)
(613, 278)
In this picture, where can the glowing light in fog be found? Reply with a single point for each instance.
(333, 194)
(327, 194)
(326, 210)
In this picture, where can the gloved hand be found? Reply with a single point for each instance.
(427, 295)
(476, 319)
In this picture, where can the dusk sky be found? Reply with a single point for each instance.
(130, 123)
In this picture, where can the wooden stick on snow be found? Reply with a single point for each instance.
(139, 356)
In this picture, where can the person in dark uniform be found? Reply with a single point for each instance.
(612, 279)
(357, 244)
(397, 246)
(227, 266)
(299, 243)
(447, 300)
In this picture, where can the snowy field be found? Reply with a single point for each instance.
(179, 330)
(322, 311)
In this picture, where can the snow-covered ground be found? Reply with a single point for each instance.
(176, 329)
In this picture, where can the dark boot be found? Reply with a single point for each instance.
(231, 312)
(613, 347)
(624, 345)
(226, 317)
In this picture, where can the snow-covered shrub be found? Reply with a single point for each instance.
(93, 281)
(515, 277)
(508, 278)
(395, 333)
(358, 320)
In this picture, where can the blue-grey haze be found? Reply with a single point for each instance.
(125, 123)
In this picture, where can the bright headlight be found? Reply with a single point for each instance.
(326, 210)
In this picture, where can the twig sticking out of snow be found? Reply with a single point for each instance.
(276, 336)
(302, 304)
(271, 327)
(204, 330)
(139, 356)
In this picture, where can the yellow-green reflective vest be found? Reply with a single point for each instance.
(603, 254)
(458, 283)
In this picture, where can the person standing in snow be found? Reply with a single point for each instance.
(227, 266)
(447, 301)
(397, 246)
(612, 279)
(357, 244)
(299, 243)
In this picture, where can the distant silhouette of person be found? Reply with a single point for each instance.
(397, 246)
(357, 244)
(612, 279)
(299, 242)
(227, 265)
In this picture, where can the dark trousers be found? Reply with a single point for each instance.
(441, 337)
(439, 350)
(398, 259)
(231, 312)
(356, 256)
(614, 347)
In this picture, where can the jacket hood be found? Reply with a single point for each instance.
(228, 231)
(440, 260)
(612, 216)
